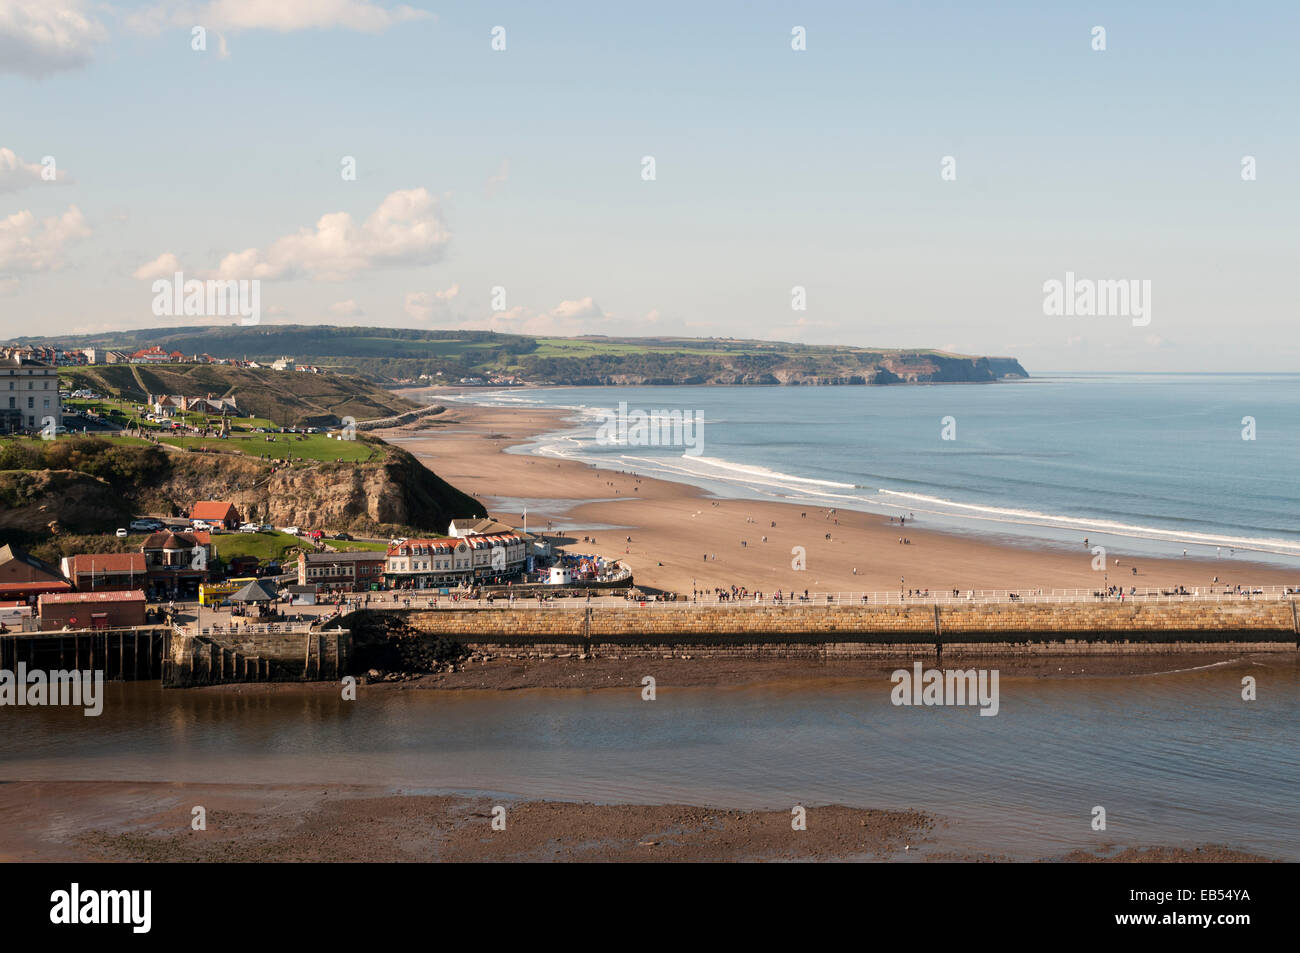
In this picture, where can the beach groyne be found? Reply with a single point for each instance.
(850, 631)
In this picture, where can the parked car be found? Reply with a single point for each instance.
(201, 525)
(249, 528)
(343, 536)
(142, 526)
(292, 530)
(121, 534)
(267, 528)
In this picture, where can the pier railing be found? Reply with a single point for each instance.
(1024, 596)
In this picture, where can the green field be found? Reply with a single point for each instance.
(265, 546)
(318, 448)
(357, 545)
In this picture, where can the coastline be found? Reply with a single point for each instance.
(706, 542)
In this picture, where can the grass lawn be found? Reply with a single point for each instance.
(357, 545)
(265, 546)
(309, 446)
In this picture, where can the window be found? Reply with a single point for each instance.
(31, 403)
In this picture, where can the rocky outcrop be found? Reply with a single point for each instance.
(38, 502)
(394, 494)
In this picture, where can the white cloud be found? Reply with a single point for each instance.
(421, 305)
(40, 37)
(164, 266)
(29, 245)
(283, 16)
(580, 316)
(16, 174)
(346, 309)
(405, 230)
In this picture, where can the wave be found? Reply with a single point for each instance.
(1003, 514)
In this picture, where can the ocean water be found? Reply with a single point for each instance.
(1157, 460)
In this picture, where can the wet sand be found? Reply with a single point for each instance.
(674, 527)
(151, 822)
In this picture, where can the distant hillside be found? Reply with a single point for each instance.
(387, 355)
(287, 397)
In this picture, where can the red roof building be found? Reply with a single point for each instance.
(176, 563)
(23, 577)
(98, 572)
(214, 511)
(91, 610)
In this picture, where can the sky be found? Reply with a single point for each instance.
(127, 155)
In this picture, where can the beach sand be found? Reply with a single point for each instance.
(139, 821)
(674, 527)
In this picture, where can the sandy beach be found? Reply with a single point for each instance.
(683, 538)
(141, 821)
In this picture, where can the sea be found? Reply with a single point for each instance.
(1203, 463)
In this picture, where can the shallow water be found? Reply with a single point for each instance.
(1175, 759)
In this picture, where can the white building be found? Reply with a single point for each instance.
(29, 395)
(444, 563)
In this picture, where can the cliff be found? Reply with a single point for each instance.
(395, 494)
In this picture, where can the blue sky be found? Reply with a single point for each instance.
(775, 168)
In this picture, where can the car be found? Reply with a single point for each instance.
(202, 525)
(121, 534)
(343, 536)
(145, 526)
(292, 530)
(267, 528)
(249, 528)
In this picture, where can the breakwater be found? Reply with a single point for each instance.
(848, 631)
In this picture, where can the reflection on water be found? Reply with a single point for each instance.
(1175, 759)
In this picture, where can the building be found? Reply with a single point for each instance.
(341, 572)
(214, 511)
(176, 563)
(100, 572)
(23, 577)
(151, 355)
(91, 610)
(443, 563)
(29, 395)
(299, 595)
(476, 526)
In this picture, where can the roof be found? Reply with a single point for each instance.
(212, 510)
(360, 556)
(259, 590)
(186, 540)
(9, 553)
(478, 526)
(80, 598)
(54, 585)
(106, 562)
